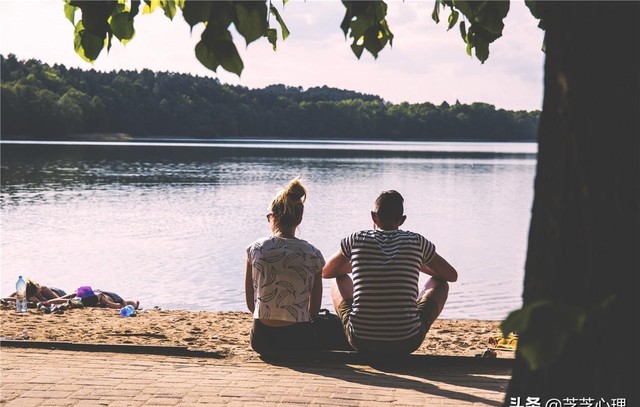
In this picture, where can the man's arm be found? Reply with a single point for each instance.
(248, 287)
(439, 268)
(337, 266)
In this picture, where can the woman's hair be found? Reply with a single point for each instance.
(288, 205)
(33, 288)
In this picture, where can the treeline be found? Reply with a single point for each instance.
(54, 102)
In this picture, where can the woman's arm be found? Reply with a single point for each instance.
(248, 287)
(316, 295)
(439, 268)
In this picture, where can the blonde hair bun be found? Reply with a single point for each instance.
(295, 190)
(288, 205)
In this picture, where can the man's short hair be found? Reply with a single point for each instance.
(390, 205)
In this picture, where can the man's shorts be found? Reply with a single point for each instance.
(427, 310)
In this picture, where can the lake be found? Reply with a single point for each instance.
(167, 222)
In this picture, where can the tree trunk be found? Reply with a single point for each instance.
(583, 241)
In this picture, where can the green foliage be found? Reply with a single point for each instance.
(122, 24)
(365, 22)
(216, 46)
(102, 20)
(283, 26)
(485, 22)
(545, 329)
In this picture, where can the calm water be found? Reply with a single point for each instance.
(168, 223)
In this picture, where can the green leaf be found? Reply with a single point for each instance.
(150, 6)
(283, 26)
(206, 56)
(70, 12)
(518, 320)
(490, 16)
(435, 15)
(545, 329)
(466, 8)
(463, 31)
(453, 19)
(503, 7)
(371, 42)
(216, 49)
(229, 57)
(87, 44)
(365, 22)
(95, 16)
(272, 37)
(357, 49)
(135, 7)
(222, 14)
(361, 24)
(109, 37)
(346, 20)
(122, 26)
(169, 7)
(195, 12)
(252, 19)
(470, 40)
(482, 49)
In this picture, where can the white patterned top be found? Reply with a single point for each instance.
(283, 272)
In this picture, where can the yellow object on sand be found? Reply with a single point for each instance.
(510, 342)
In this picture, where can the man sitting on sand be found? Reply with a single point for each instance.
(380, 308)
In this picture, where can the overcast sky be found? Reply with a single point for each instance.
(425, 64)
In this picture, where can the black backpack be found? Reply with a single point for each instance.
(329, 332)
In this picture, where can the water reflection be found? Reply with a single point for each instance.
(159, 224)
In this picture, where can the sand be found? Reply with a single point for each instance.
(226, 333)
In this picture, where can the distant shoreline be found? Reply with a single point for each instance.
(125, 137)
(278, 148)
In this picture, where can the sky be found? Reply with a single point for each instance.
(426, 63)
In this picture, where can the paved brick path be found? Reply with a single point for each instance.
(39, 377)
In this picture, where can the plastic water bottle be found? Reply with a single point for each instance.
(21, 295)
(127, 311)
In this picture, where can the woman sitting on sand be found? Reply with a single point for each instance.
(37, 293)
(91, 298)
(283, 282)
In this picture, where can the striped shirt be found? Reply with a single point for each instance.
(385, 267)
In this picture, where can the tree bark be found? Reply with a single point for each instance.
(583, 240)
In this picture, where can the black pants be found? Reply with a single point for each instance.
(266, 339)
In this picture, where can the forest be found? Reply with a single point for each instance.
(46, 102)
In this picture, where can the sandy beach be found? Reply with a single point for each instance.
(225, 333)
